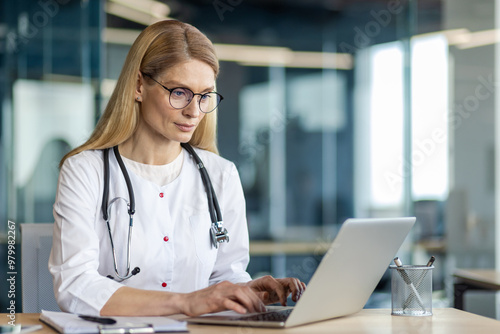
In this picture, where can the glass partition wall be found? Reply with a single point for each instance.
(51, 77)
(50, 65)
(332, 109)
(322, 115)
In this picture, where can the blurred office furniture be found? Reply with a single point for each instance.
(470, 245)
(271, 248)
(429, 236)
(481, 286)
(37, 287)
(430, 223)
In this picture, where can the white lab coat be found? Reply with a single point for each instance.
(170, 240)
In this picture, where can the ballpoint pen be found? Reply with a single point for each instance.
(408, 282)
(419, 282)
(99, 320)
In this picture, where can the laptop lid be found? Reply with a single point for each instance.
(346, 276)
(351, 269)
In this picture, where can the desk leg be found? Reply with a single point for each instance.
(459, 290)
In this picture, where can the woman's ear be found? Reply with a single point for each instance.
(139, 87)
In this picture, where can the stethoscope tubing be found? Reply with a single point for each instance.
(129, 242)
(107, 214)
(213, 205)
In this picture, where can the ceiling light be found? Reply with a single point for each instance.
(144, 12)
(464, 39)
(154, 8)
(254, 55)
(119, 36)
(250, 55)
(480, 38)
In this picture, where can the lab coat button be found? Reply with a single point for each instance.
(164, 284)
(161, 195)
(166, 239)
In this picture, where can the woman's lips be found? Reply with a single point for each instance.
(185, 127)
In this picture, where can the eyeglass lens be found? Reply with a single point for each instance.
(181, 97)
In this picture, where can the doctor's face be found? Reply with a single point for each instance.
(160, 120)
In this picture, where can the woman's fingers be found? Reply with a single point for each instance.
(234, 306)
(247, 298)
(278, 289)
(220, 297)
(295, 286)
(243, 298)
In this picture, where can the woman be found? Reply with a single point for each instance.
(164, 97)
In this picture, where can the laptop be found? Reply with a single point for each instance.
(342, 283)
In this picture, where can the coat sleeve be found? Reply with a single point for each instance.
(74, 259)
(233, 256)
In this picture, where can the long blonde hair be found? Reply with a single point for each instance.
(159, 47)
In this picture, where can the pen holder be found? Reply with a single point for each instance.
(411, 290)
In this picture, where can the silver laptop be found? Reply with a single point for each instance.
(343, 281)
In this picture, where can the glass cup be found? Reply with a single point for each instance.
(411, 290)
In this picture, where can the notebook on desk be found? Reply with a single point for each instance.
(343, 281)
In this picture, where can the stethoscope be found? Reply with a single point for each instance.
(217, 231)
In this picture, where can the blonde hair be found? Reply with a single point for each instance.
(159, 47)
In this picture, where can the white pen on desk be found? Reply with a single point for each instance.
(407, 280)
(419, 282)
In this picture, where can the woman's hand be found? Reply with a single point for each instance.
(272, 290)
(243, 298)
(220, 297)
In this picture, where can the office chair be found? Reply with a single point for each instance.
(37, 287)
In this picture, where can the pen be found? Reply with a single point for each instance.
(403, 273)
(419, 282)
(99, 320)
(407, 280)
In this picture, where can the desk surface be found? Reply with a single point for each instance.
(484, 278)
(371, 321)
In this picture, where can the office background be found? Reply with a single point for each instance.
(332, 109)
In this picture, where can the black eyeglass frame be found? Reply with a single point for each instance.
(170, 90)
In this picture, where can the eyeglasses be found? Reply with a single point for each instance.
(181, 97)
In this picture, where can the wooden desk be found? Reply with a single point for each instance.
(370, 321)
(474, 279)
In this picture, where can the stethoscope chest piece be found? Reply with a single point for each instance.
(219, 234)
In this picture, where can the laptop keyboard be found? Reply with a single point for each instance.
(268, 316)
